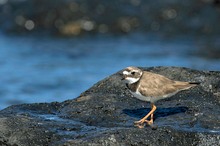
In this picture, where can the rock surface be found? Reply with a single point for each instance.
(104, 115)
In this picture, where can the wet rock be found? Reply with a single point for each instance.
(104, 115)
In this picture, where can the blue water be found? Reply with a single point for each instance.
(46, 69)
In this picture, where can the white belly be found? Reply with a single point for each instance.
(150, 99)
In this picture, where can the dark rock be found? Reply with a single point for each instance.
(104, 115)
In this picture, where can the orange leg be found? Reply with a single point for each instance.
(151, 119)
(144, 119)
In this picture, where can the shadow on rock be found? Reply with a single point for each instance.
(160, 112)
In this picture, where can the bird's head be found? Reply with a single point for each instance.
(131, 75)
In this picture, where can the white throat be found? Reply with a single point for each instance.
(130, 80)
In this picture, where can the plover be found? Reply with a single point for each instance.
(151, 87)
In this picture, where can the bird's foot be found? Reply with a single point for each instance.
(139, 124)
(142, 123)
(149, 122)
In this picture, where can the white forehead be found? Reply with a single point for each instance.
(125, 72)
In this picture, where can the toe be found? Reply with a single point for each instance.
(139, 124)
(149, 122)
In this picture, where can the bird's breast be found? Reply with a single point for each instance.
(139, 96)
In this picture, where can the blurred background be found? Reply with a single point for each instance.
(52, 50)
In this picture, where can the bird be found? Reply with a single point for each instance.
(151, 87)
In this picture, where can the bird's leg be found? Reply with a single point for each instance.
(152, 115)
(144, 119)
(141, 125)
(151, 119)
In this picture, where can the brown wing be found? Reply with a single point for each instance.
(155, 85)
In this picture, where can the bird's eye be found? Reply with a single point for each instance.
(132, 72)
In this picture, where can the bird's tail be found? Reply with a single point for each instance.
(194, 83)
(185, 85)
